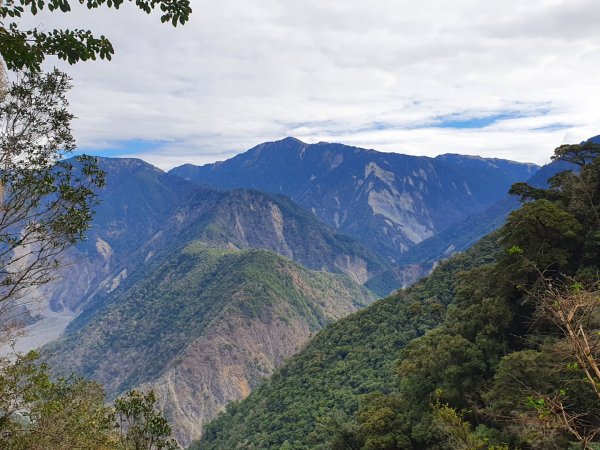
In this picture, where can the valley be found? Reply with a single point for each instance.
(200, 288)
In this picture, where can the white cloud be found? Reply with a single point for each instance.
(240, 73)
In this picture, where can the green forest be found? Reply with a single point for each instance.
(497, 349)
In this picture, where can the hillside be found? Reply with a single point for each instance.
(246, 218)
(202, 327)
(344, 362)
(460, 236)
(144, 211)
(135, 202)
(388, 201)
(512, 363)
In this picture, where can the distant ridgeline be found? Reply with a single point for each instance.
(498, 348)
(200, 289)
(388, 201)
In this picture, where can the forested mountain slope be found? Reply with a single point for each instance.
(348, 360)
(202, 327)
(514, 363)
(389, 201)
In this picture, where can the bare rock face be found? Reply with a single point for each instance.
(356, 268)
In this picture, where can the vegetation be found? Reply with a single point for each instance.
(167, 305)
(514, 363)
(140, 425)
(46, 202)
(317, 391)
(27, 48)
(45, 207)
(39, 412)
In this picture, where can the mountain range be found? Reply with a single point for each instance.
(200, 282)
(388, 201)
(476, 355)
(202, 327)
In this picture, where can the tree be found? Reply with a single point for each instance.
(539, 234)
(458, 432)
(142, 426)
(27, 49)
(45, 201)
(37, 412)
(580, 154)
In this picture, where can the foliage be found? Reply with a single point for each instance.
(512, 364)
(178, 296)
(142, 425)
(38, 412)
(458, 432)
(533, 324)
(349, 359)
(27, 48)
(580, 154)
(46, 201)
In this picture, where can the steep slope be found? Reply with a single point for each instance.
(245, 218)
(134, 203)
(202, 327)
(499, 371)
(388, 201)
(343, 363)
(465, 233)
(143, 210)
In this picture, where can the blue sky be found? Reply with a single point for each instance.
(504, 79)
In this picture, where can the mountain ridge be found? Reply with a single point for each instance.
(388, 201)
(222, 318)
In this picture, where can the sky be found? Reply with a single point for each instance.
(498, 78)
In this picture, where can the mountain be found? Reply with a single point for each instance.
(342, 364)
(462, 235)
(471, 357)
(134, 203)
(143, 210)
(202, 326)
(246, 218)
(388, 201)
(136, 200)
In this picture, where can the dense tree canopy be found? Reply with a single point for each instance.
(515, 364)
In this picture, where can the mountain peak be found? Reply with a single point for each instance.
(288, 140)
(117, 164)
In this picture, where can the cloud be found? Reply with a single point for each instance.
(389, 74)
